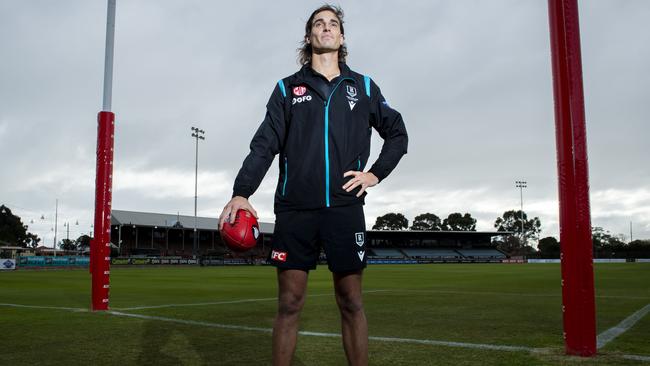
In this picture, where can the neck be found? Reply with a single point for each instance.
(326, 64)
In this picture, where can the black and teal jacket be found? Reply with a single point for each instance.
(320, 137)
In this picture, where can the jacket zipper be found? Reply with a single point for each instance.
(358, 163)
(327, 150)
(286, 174)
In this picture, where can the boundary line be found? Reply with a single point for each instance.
(44, 307)
(603, 338)
(620, 328)
(336, 335)
(522, 294)
(222, 302)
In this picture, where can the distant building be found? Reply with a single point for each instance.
(156, 234)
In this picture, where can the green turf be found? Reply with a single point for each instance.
(515, 305)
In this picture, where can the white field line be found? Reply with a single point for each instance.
(522, 294)
(627, 323)
(637, 358)
(494, 347)
(43, 307)
(484, 346)
(452, 292)
(221, 302)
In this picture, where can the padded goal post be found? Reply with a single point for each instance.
(578, 298)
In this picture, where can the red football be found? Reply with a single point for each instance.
(242, 235)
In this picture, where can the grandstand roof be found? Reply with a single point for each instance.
(161, 220)
(437, 234)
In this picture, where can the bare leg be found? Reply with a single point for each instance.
(292, 286)
(354, 325)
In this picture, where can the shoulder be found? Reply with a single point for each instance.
(364, 80)
(286, 82)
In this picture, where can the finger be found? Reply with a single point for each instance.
(353, 186)
(348, 183)
(350, 172)
(233, 214)
(351, 181)
(363, 189)
(224, 217)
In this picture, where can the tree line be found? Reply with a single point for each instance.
(525, 231)
(13, 232)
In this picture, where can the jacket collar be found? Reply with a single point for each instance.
(306, 72)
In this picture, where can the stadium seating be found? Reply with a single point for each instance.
(386, 253)
(431, 253)
(481, 253)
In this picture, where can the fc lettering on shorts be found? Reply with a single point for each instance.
(279, 256)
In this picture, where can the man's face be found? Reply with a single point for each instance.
(326, 33)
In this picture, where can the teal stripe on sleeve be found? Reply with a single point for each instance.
(281, 85)
(366, 82)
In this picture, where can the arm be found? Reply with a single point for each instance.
(265, 145)
(388, 122)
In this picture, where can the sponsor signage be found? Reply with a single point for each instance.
(7, 264)
(59, 261)
(139, 261)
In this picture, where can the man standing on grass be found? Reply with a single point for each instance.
(319, 120)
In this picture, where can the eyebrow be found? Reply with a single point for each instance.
(323, 20)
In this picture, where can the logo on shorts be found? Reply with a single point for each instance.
(359, 237)
(361, 254)
(256, 232)
(299, 91)
(279, 256)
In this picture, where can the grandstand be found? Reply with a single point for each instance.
(143, 234)
(415, 246)
(148, 234)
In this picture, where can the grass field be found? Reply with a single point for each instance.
(223, 316)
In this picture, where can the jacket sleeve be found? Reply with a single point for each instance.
(388, 122)
(266, 143)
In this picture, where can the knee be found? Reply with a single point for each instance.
(349, 305)
(289, 306)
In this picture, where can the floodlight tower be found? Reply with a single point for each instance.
(198, 134)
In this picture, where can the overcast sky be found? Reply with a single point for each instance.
(472, 80)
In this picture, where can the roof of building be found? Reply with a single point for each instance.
(436, 234)
(120, 217)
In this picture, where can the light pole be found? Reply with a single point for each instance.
(67, 226)
(56, 220)
(197, 134)
(521, 185)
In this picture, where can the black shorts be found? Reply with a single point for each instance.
(300, 234)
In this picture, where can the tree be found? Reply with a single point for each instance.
(67, 244)
(427, 221)
(549, 247)
(606, 245)
(458, 222)
(12, 230)
(639, 249)
(511, 221)
(391, 221)
(33, 240)
(83, 242)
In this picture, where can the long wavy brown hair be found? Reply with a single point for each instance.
(305, 50)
